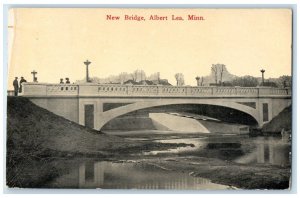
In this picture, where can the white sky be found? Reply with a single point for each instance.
(56, 42)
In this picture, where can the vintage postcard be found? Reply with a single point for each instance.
(144, 98)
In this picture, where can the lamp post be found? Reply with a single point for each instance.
(33, 75)
(198, 82)
(262, 76)
(87, 62)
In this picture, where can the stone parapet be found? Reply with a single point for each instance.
(118, 90)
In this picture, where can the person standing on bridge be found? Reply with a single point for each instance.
(21, 81)
(67, 81)
(16, 86)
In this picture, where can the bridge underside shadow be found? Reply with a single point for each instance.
(141, 117)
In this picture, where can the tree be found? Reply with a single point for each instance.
(123, 76)
(285, 81)
(136, 76)
(154, 77)
(218, 70)
(180, 79)
(214, 70)
(133, 77)
(222, 68)
(245, 81)
(142, 75)
(270, 84)
(139, 75)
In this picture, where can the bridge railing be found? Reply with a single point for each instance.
(42, 89)
(39, 89)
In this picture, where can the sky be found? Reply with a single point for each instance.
(56, 41)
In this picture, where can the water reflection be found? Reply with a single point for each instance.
(109, 175)
(197, 142)
(128, 175)
(270, 150)
(246, 150)
(133, 175)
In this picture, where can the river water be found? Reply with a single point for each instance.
(134, 173)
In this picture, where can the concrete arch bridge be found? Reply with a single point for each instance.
(94, 105)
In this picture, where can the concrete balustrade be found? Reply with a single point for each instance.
(43, 89)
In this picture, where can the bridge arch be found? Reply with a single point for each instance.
(116, 112)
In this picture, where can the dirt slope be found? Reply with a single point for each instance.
(282, 120)
(31, 127)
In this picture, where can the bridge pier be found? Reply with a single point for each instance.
(264, 111)
(97, 112)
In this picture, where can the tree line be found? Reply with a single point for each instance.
(219, 77)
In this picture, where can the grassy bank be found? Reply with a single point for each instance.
(30, 127)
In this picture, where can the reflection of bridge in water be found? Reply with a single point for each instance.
(276, 153)
(148, 175)
(128, 175)
(94, 105)
(268, 151)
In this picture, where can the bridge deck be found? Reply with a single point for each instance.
(49, 90)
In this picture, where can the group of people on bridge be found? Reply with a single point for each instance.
(18, 85)
(62, 81)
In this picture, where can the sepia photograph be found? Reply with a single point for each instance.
(149, 98)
